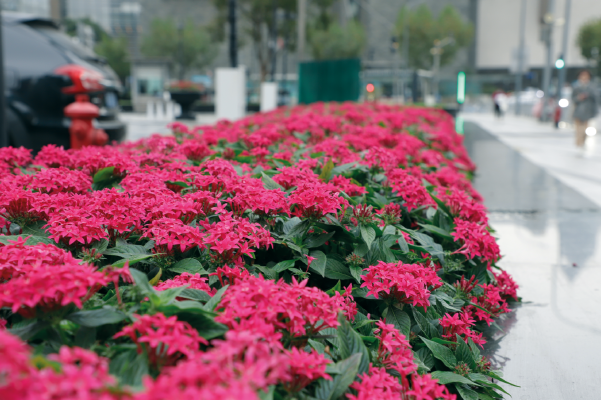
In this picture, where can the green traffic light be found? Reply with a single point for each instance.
(461, 87)
(559, 64)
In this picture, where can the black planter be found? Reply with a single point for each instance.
(185, 100)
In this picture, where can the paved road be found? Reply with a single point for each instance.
(543, 208)
(140, 126)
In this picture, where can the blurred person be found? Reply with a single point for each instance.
(586, 105)
(498, 98)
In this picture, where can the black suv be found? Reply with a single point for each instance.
(44, 69)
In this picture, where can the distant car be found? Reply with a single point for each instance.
(43, 70)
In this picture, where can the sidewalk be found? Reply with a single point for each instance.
(140, 126)
(551, 149)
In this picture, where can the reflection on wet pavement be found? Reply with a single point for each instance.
(549, 235)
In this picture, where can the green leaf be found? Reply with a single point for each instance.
(100, 246)
(316, 241)
(195, 294)
(94, 318)
(437, 231)
(105, 179)
(28, 331)
(85, 337)
(189, 265)
(350, 342)
(356, 272)
(131, 261)
(466, 393)
(283, 266)
(427, 328)
(267, 272)
(211, 304)
(426, 356)
(475, 350)
(445, 377)
(333, 389)
(130, 367)
(319, 264)
(30, 240)
(169, 295)
(441, 352)
(483, 380)
(400, 319)
(336, 270)
(269, 183)
(368, 234)
(326, 171)
(141, 281)
(463, 353)
(178, 183)
(498, 377)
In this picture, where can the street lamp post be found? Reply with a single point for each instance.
(549, 21)
(233, 39)
(436, 52)
(564, 48)
(521, 49)
(3, 132)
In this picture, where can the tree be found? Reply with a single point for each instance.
(424, 30)
(189, 45)
(589, 41)
(256, 22)
(116, 53)
(336, 42)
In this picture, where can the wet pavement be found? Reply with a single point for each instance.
(549, 235)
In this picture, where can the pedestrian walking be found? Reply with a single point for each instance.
(586, 105)
(499, 99)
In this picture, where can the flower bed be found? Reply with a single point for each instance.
(321, 252)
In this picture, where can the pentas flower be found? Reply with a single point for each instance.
(170, 234)
(297, 309)
(234, 368)
(347, 186)
(424, 387)
(14, 367)
(346, 302)
(50, 287)
(491, 304)
(409, 188)
(460, 324)
(11, 157)
(448, 177)
(79, 226)
(477, 241)
(250, 194)
(390, 214)
(232, 237)
(466, 286)
(18, 259)
(82, 375)
(376, 384)
(464, 206)
(16, 204)
(394, 351)
(52, 156)
(186, 279)
(195, 151)
(404, 283)
(381, 159)
(314, 201)
(305, 368)
(229, 276)
(289, 177)
(165, 340)
(60, 179)
(507, 285)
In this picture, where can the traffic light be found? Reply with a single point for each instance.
(370, 88)
(560, 63)
(460, 87)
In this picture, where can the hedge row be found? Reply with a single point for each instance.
(332, 251)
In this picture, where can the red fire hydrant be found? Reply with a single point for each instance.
(82, 130)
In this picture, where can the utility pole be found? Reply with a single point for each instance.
(301, 25)
(549, 21)
(233, 38)
(3, 131)
(180, 50)
(521, 50)
(405, 56)
(274, 39)
(564, 48)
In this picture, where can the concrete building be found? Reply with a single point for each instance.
(40, 8)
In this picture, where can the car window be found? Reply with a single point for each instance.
(63, 41)
(27, 53)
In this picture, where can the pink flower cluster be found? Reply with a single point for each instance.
(404, 283)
